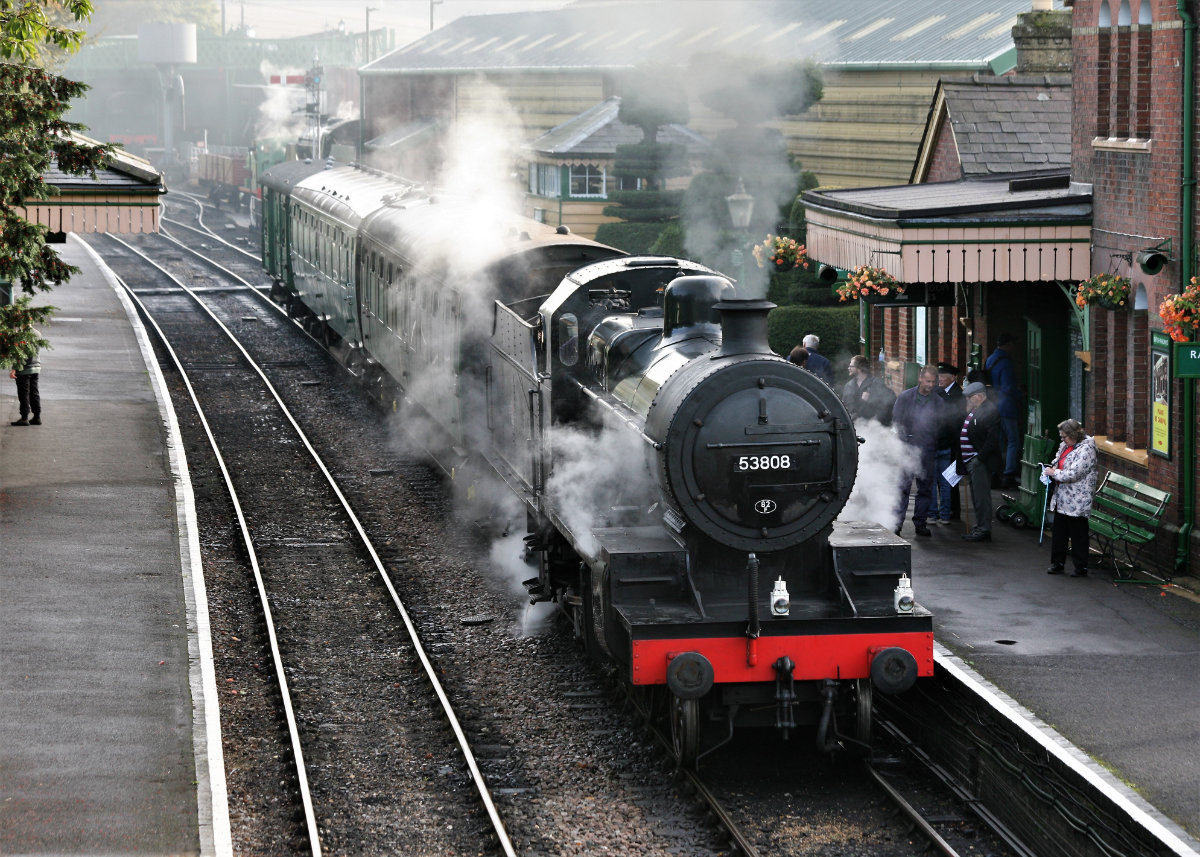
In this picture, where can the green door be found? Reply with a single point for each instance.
(1047, 379)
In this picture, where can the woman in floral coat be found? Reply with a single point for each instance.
(1073, 477)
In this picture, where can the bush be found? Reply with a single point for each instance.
(636, 238)
(836, 327)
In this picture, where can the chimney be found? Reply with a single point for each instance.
(1043, 40)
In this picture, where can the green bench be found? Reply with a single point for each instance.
(1125, 516)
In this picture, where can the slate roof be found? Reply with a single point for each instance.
(124, 173)
(597, 131)
(1008, 124)
(965, 35)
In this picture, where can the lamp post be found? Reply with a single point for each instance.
(741, 207)
(370, 9)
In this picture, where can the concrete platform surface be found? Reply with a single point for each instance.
(105, 728)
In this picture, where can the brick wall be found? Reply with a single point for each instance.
(945, 165)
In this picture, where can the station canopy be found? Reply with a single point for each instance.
(123, 198)
(1019, 229)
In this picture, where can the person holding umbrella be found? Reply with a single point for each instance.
(1072, 477)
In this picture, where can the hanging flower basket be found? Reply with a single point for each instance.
(782, 253)
(1107, 290)
(866, 282)
(1181, 313)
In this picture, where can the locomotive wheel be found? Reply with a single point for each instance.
(685, 730)
(864, 694)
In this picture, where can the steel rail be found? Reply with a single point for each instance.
(710, 800)
(276, 657)
(452, 717)
(913, 814)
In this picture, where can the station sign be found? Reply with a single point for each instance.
(1187, 360)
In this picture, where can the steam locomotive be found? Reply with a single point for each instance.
(693, 541)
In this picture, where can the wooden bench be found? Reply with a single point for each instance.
(1125, 516)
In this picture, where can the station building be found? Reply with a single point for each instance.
(1017, 248)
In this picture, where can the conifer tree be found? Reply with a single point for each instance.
(33, 136)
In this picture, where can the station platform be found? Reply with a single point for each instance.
(109, 734)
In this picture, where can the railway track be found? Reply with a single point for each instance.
(581, 725)
(296, 527)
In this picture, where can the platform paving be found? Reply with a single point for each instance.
(105, 726)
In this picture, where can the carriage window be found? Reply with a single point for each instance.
(568, 338)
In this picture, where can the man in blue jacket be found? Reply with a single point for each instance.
(1004, 387)
(918, 418)
(817, 363)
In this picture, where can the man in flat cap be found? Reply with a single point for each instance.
(944, 498)
(979, 452)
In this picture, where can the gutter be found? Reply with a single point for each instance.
(1186, 263)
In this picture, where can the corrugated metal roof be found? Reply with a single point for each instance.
(963, 34)
(597, 131)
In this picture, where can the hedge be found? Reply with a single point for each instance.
(836, 327)
(636, 238)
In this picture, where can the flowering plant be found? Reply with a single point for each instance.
(1108, 290)
(1181, 313)
(866, 281)
(784, 253)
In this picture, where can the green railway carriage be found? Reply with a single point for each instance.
(274, 225)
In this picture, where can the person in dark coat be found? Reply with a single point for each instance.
(1008, 402)
(917, 418)
(943, 496)
(817, 363)
(979, 452)
(865, 396)
(29, 401)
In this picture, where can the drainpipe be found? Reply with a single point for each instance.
(1188, 404)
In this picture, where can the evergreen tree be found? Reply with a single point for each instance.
(33, 135)
(652, 97)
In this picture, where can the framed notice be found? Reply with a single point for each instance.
(1160, 394)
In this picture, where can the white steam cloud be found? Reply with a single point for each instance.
(884, 461)
(596, 475)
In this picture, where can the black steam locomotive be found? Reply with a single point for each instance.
(680, 481)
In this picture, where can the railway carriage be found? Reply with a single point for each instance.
(694, 541)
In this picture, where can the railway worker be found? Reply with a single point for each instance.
(865, 396)
(1003, 376)
(918, 418)
(28, 399)
(799, 356)
(979, 452)
(943, 496)
(818, 363)
(1072, 477)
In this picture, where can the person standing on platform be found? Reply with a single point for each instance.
(29, 401)
(1004, 383)
(944, 496)
(865, 396)
(817, 363)
(1072, 477)
(917, 417)
(799, 356)
(979, 451)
